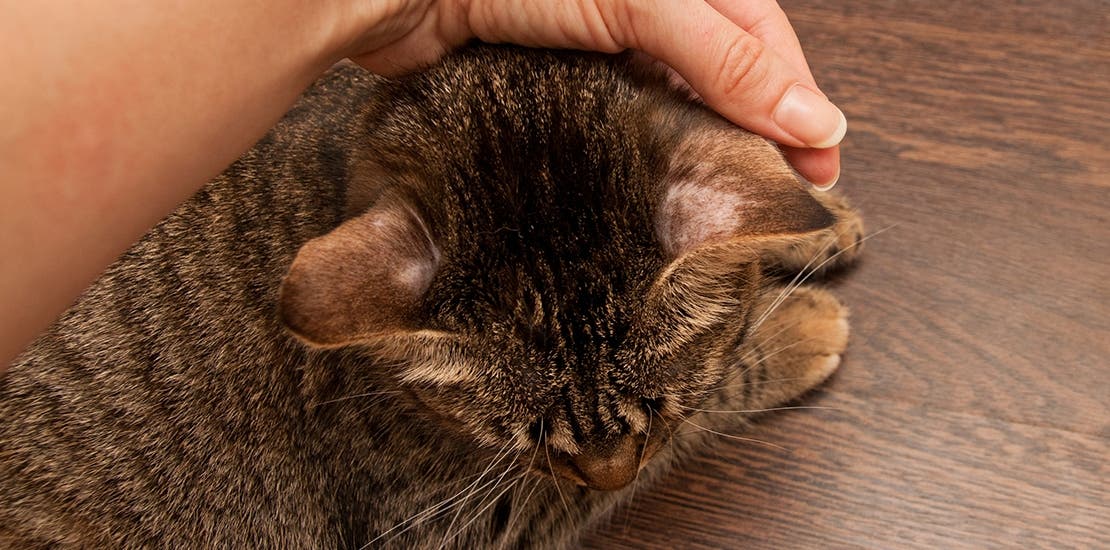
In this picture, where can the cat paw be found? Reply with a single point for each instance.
(796, 347)
(814, 325)
(845, 238)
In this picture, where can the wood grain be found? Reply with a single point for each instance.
(973, 407)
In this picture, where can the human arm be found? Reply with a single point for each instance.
(115, 112)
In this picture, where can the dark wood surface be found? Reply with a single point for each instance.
(973, 406)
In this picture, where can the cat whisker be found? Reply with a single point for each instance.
(772, 337)
(452, 504)
(356, 396)
(442, 506)
(457, 504)
(535, 453)
(512, 464)
(736, 437)
(647, 437)
(754, 411)
(726, 383)
(799, 278)
(731, 386)
(518, 509)
(429, 513)
(768, 356)
(795, 283)
(751, 353)
(640, 464)
(523, 476)
(514, 483)
(555, 479)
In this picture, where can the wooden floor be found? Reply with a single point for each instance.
(973, 406)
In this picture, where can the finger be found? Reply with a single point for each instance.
(735, 73)
(765, 20)
(821, 167)
(818, 166)
(578, 24)
(418, 49)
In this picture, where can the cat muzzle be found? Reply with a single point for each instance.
(606, 467)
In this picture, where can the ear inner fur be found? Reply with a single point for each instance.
(725, 183)
(365, 277)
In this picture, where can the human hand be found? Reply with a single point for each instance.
(741, 56)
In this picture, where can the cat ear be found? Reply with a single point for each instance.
(727, 185)
(364, 278)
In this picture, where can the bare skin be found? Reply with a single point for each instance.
(116, 111)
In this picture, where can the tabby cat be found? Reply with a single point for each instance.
(463, 308)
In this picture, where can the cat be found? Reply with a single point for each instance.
(466, 308)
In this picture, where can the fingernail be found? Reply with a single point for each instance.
(810, 118)
(829, 184)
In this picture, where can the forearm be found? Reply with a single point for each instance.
(111, 113)
(114, 112)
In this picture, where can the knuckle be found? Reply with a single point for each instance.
(740, 63)
(618, 22)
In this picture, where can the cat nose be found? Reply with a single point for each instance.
(610, 466)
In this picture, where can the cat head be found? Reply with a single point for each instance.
(558, 254)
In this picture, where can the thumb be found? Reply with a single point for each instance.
(736, 73)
